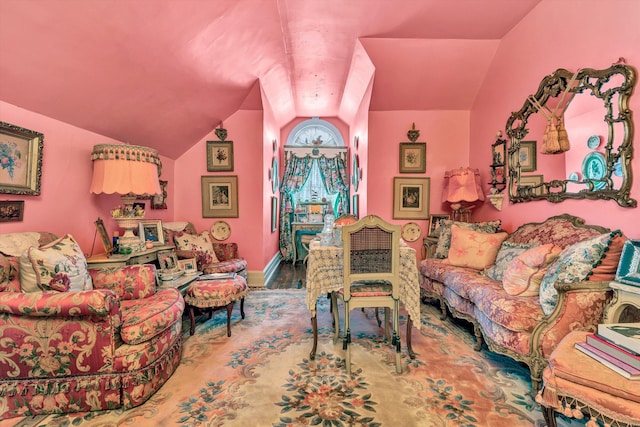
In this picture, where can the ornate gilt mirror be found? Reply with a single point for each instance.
(596, 161)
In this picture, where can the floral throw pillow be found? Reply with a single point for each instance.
(199, 244)
(57, 266)
(444, 241)
(523, 276)
(473, 249)
(507, 253)
(574, 264)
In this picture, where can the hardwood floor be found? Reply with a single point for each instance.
(289, 277)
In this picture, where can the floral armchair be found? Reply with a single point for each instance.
(109, 347)
(211, 257)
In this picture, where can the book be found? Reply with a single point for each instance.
(610, 362)
(625, 335)
(611, 349)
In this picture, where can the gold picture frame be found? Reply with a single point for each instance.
(11, 210)
(159, 201)
(168, 260)
(219, 196)
(20, 160)
(527, 181)
(434, 223)
(413, 157)
(150, 230)
(274, 214)
(107, 243)
(220, 156)
(528, 156)
(189, 265)
(411, 198)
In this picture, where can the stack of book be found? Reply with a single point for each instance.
(616, 346)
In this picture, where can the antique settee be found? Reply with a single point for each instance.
(80, 340)
(211, 257)
(541, 282)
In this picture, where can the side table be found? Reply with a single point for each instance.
(625, 303)
(120, 260)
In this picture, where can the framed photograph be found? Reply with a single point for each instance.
(435, 222)
(150, 230)
(413, 157)
(531, 181)
(107, 243)
(11, 210)
(411, 198)
(219, 196)
(189, 265)
(168, 260)
(629, 265)
(274, 214)
(159, 201)
(355, 208)
(528, 156)
(219, 156)
(20, 160)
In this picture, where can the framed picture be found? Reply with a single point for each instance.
(629, 265)
(528, 156)
(274, 214)
(435, 222)
(168, 260)
(159, 201)
(104, 236)
(355, 208)
(413, 157)
(20, 160)
(219, 156)
(11, 210)
(219, 196)
(531, 181)
(411, 198)
(150, 230)
(188, 265)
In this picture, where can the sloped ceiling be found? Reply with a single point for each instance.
(164, 73)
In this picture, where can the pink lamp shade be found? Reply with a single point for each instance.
(462, 189)
(125, 169)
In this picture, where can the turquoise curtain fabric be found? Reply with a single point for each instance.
(295, 175)
(334, 175)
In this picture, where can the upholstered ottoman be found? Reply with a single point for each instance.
(212, 294)
(579, 386)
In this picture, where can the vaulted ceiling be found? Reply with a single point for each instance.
(164, 73)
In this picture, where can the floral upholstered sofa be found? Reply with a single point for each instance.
(76, 339)
(524, 291)
(211, 257)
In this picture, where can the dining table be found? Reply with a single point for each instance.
(325, 275)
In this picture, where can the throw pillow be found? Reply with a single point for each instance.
(473, 249)
(199, 244)
(607, 268)
(574, 264)
(507, 253)
(57, 266)
(444, 241)
(524, 274)
(9, 277)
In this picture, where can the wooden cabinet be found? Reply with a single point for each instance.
(120, 260)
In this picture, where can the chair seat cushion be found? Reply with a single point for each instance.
(216, 293)
(143, 319)
(370, 289)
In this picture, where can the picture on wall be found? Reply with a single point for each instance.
(11, 210)
(435, 222)
(274, 214)
(527, 156)
(219, 196)
(220, 156)
(532, 181)
(355, 208)
(20, 160)
(159, 201)
(411, 198)
(413, 157)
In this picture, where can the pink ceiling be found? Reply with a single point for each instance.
(163, 73)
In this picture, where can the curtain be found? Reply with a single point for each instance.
(295, 175)
(334, 175)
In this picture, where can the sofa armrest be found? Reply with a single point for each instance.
(226, 251)
(97, 303)
(580, 306)
(128, 282)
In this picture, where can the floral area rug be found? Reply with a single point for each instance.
(262, 376)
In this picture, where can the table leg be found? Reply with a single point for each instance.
(412, 355)
(314, 326)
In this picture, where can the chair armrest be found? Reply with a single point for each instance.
(128, 282)
(580, 306)
(97, 303)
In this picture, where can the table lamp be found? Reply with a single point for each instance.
(131, 171)
(462, 190)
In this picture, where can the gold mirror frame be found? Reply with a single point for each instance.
(595, 83)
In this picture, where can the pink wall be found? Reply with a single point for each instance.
(567, 34)
(65, 204)
(446, 134)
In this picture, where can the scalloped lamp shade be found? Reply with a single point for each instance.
(462, 189)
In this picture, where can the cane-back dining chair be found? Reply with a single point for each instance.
(370, 276)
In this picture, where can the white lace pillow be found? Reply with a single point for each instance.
(196, 242)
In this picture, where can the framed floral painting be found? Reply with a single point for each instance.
(413, 157)
(20, 160)
(219, 156)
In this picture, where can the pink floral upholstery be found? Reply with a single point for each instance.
(512, 324)
(68, 351)
(216, 293)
